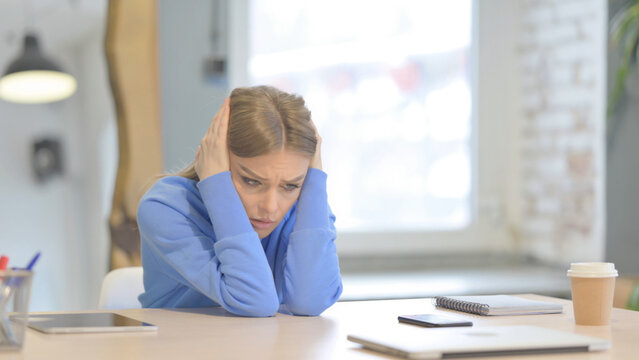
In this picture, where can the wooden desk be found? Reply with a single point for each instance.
(213, 333)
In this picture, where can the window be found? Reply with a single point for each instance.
(389, 87)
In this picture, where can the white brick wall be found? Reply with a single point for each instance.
(562, 101)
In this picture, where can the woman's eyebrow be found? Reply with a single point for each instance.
(257, 177)
(296, 179)
(252, 174)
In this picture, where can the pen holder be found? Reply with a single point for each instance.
(15, 290)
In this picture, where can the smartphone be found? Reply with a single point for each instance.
(431, 320)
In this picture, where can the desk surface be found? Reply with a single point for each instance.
(213, 333)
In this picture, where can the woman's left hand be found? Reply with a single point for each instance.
(316, 161)
(212, 156)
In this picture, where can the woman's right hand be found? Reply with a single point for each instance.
(316, 161)
(212, 156)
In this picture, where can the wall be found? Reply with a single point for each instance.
(562, 67)
(98, 164)
(189, 101)
(622, 232)
(496, 120)
(64, 218)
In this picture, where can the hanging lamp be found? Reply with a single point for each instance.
(33, 79)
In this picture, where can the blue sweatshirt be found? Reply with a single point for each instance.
(199, 249)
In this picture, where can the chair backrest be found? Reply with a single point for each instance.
(120, 289)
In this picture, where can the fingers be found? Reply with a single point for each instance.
(223, 120)
(317, 135)
(316, 161)
(220, 117)
(212, 155)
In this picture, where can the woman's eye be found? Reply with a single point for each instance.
(291, 187)
(250, 182)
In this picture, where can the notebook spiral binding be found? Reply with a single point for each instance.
(459, 305)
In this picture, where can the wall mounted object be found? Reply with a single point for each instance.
(46, 159)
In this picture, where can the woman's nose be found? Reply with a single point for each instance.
(269, 201)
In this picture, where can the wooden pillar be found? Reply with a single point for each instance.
(132, 52)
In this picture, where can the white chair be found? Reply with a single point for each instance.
(120, 289)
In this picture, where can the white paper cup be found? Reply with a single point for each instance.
(593, 287)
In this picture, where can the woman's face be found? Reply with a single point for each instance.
(268, 186)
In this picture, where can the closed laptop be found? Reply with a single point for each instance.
(436, 343)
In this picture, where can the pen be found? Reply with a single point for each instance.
(4, 262)
(33, 261)
(16, 280)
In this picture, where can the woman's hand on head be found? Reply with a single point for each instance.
(212, 156)
(316, 161)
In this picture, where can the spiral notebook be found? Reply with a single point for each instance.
(497, 305)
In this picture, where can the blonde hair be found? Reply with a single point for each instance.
(264, 119)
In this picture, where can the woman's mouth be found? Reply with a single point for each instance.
(261, 224)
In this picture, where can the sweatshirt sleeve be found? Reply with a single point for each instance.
(231, 269)
(311, 275)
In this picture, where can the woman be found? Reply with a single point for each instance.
(247, 225)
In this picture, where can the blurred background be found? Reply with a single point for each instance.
(469, 143)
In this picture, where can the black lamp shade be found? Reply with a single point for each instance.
(31, 58)
(32, 78)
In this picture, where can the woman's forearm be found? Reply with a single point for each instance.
(312, 280)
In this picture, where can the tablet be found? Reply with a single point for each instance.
(86, 323)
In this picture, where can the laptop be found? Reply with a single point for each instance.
(86, 323)
(438, 343)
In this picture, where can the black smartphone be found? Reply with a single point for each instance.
(431, 320)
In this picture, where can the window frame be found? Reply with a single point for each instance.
(494, 165)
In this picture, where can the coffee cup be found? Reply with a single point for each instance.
(593, 287)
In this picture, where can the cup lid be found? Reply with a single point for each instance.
(592, 269)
